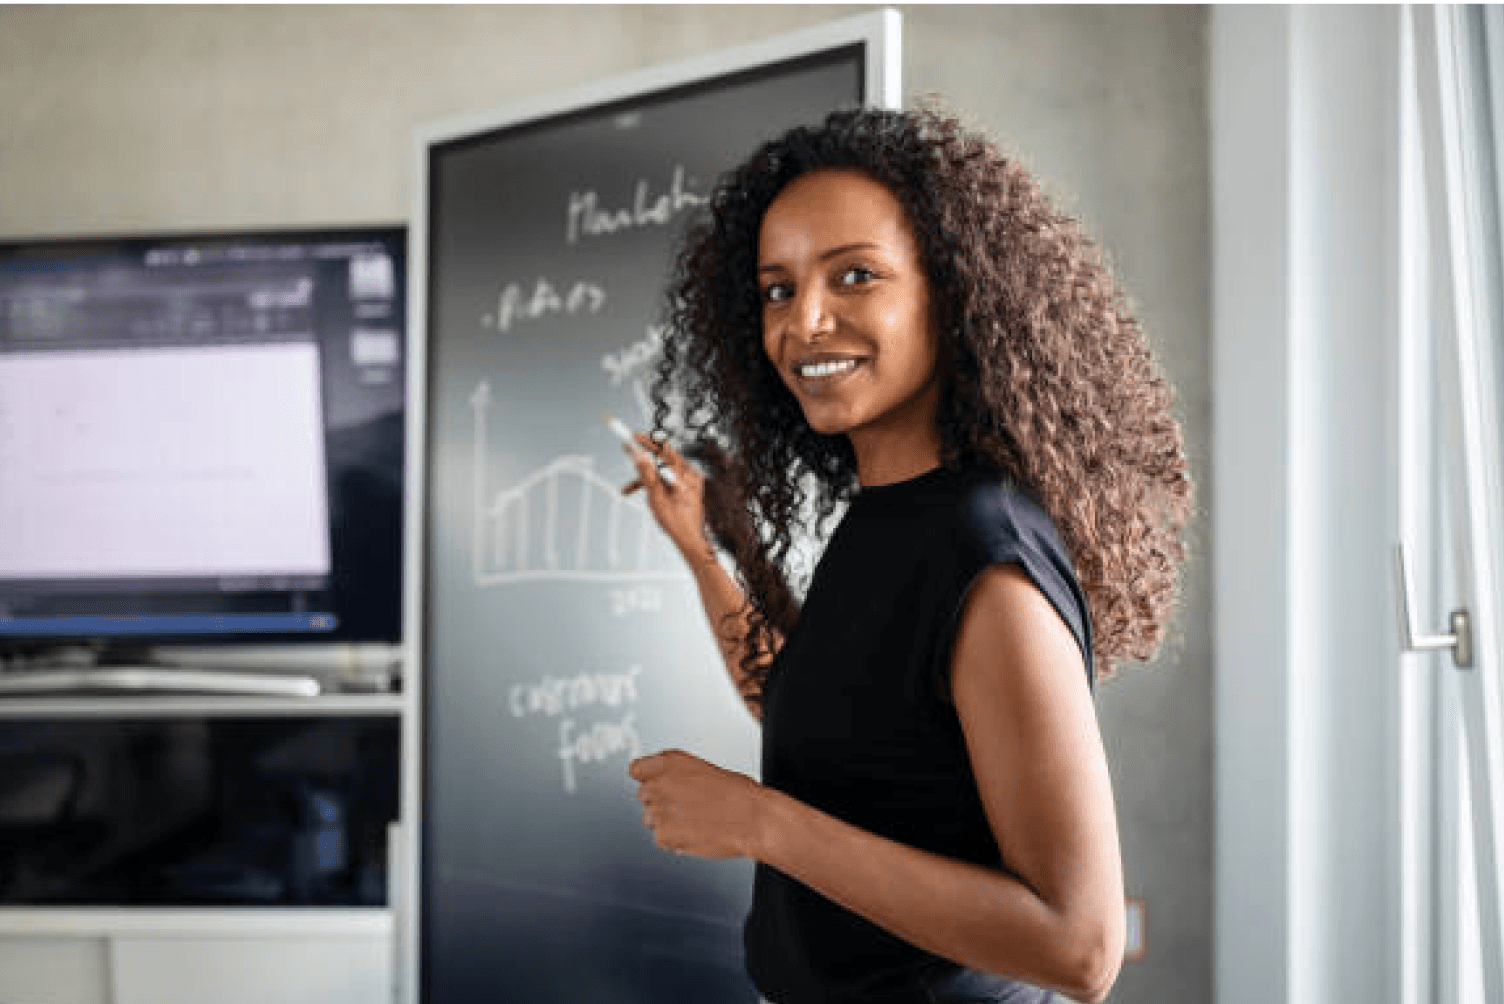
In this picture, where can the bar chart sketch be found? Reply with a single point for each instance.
(562, 522)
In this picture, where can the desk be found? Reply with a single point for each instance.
(170, 956)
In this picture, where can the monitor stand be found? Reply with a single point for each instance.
(87, 670)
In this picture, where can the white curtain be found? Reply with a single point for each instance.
(1457, 59)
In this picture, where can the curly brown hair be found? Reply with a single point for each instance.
(1045, 374)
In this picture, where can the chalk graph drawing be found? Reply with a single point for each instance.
(563, 522)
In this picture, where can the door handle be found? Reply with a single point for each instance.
(1460, 641)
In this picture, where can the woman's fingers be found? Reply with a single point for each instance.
(666, 454)
(674, 491)
(645, 768)
(659, 463)
(648, 474)
(694, 807)
(642, 456)
(666, 451)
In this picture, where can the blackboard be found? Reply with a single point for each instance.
(560, 635)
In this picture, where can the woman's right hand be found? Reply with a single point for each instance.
(679, 507)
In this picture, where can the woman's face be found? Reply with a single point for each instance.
(846, 318)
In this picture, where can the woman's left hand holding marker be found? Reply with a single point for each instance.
(675, 493)
(629, 441)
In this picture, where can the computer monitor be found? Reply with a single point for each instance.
(201, 438)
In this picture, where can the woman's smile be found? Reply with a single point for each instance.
(818, 373)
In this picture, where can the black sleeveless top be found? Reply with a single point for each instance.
(857, 719)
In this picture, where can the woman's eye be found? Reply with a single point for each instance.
(856, 275)
(774, 292)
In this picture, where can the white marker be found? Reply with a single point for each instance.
(623, 433)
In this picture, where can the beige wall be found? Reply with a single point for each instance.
(157, 118)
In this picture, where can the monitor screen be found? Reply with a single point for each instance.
(201, 437)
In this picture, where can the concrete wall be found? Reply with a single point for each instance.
(159, 118)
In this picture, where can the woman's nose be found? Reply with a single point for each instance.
(812, 315)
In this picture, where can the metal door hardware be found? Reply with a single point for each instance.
(1460, 640)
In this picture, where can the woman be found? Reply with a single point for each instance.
(884, 312)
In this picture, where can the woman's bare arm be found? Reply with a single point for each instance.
(679, 508)
(1019, 686)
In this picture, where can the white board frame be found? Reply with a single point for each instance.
(879, 32)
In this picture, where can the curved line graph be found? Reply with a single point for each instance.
(563, 522)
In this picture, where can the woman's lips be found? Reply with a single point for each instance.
(820, 373)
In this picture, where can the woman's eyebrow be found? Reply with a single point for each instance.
(854, 246)
(829, 253)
